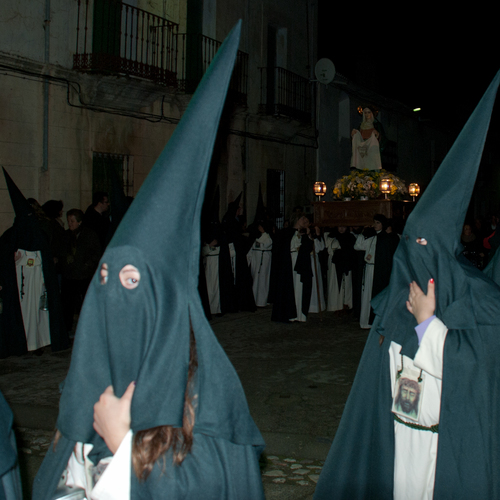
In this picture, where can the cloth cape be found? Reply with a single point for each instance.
(143, 334)
(360, 464)
(10, 480)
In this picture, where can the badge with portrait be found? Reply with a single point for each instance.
(408, 393)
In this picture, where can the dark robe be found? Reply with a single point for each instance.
(99, 223)
(281, 289)
(27, 236)
(344, 257)
(10, 480)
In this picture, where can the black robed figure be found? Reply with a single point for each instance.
(26, 233)
(360, 464)
(141, 332)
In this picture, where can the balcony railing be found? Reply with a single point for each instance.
(285, 93)
(196, 52)
(113, 37)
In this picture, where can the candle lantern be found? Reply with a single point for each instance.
(319, 189)
(413, 190)
(385, 186)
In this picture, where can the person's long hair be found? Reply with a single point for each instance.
(151, 445)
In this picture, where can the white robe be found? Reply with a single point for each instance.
(259, 260)
(369, 245)
(365, 154)
(31, 287)
(337, 298)
(211, 265)
(416, 450)
(114, 483)
(319, 245)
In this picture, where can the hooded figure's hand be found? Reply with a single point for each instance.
(112, 416)
(422, 306)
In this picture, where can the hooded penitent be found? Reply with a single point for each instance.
(143, 334)
(10, 480)
(26, 234)
(233, 225)
(361, 461)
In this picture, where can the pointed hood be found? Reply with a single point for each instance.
(19, 203)
(438, 217)
(260, 211)
(142, 334)
(232, 208)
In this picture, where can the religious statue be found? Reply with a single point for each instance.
(368, 141)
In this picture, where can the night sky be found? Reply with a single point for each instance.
(441, 64)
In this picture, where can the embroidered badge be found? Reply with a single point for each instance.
(30, 262)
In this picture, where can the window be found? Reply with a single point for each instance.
(103, 166)
(276, 196)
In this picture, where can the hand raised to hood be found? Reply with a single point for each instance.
(422, 306)
(112, 416)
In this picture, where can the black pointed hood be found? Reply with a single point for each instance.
(260, 211)
(143, 334)
(465, 297)
(19, 203)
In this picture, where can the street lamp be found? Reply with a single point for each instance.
(385, 185)
(319, 189)
(413, 190)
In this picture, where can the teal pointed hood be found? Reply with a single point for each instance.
(142, 334)
(465, 297)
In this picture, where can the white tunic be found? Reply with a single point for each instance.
(211, 265)
(114, 483)
(259, 260)
(369, 245)
(416, 450)
(337, 298)
(31, 287)
(319, 245)
(365, 154)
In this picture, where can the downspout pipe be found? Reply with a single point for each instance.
(45, 156)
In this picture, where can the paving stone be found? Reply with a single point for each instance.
(301, 471)
(274, 473)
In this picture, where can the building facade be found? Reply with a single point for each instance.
(88, 86)
(91, 86)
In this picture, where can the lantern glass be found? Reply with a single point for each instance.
(385, 185)
(319, 188)
(414, 189)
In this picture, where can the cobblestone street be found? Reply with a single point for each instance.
(296, 377)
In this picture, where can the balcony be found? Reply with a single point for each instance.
(283, 93)
(116, 38)
(196, 52)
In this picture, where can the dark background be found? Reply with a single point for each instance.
(442, 63)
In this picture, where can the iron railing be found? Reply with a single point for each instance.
(196, 52)
(285, 93)
(114, 37)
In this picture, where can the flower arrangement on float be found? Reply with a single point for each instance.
(366, 184)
